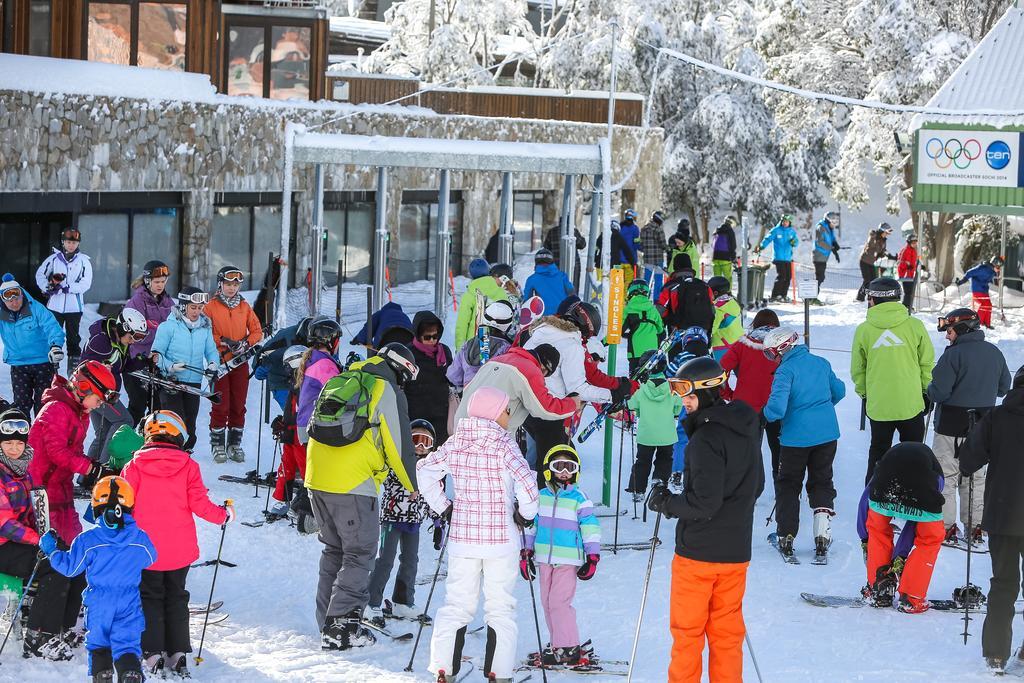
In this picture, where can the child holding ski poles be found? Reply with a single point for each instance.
(566, 540)
(657, 410)
(19, 532)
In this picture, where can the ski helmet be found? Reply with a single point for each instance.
(884, 289)
(192, 295)
(400, 359)
(778, 341)
(293, 356)
(325, 331)
(112, 498)
(562, 452)
(962, 320)
(695, 340)
(629, 215)
(884, 228)
(730, 221)
(302, 329)
(616, 225)
(659, 364)
(500, 316)
(911, 238)
(14, 425)
(658, 217)
(786, 218)
(500, 270)
(166, 424)
(94, 377)
(585, 316)
(130, 321)
(425, 440)
(996, 261)
(230, 274)
(543, 256)
(719, 285)
(702, 376)
(832, 218)
(638, 287)
(154, 269)
(71, 234)
(683, 227)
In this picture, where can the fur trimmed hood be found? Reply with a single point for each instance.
(555, 322)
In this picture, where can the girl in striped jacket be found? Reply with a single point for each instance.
(566, 540)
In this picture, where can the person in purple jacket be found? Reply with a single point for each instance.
(151, 300)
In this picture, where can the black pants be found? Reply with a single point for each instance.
(908, 294)
(547, 434)
(165, 606)
(138, 398)
(868, 272)
(817, 462)
(1007, 553)
(72, 323)
(912, 429)
(783, 273)
(661, 456)
(28, 382)
(185, 405)
(819, 272)
(773, 430)
(58, 600)
(17, 559)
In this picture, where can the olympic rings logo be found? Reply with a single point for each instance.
(952, 152)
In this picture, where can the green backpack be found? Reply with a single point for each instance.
(342, 412)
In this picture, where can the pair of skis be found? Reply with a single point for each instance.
(820, 557)
(174, 386)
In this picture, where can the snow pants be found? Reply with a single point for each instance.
(72, 324)
(349, 530)
(723, 268)
(293, 460)
(185, 405)
(783, 276)
(1007, 555)
(911, 429)
(660, 456)
(816, 461)
(114, 621)
(945, 448)
(868, 272)
(165, 606)
(466, 577)
(983, 304)
(138, 398)
(557, 591)
(679, 450)
(773, 431)
(917, 572)
(908, 293)
(105, 421)
(28, 382)
(233, 388)
(404, 592)
(18, 559)
(819, 272)
(58, 600)
(707, 603)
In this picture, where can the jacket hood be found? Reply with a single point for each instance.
(129, 535)
(737, 417)
(795, 353)
(546, 270)
(555, 322)
(887, 315)
(58, 391)
(426, 318)
(475, 432)
(754, 339)
(161, 460)
(377, 367)
(655, 391)
(105, 327)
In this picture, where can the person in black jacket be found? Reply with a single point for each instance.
(553, 243)
(428, 393)
(686, 300)
(996, 442)
(621, 253)
(723, 476)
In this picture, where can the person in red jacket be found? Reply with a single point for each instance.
(57, 439)
(745, 360)
(170, 491)
(19, 537)
(906, 270)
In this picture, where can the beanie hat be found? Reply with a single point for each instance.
(681, 262)
(13, 414)
(478, 267)
(8, 283)
(547, 355)
(487, 403)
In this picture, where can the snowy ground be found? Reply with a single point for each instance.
(271, 634)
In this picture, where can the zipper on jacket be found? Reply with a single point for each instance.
(551, 541)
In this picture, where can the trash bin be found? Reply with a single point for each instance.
(753, 290)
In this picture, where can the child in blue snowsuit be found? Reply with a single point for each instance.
(112, 554)
(981, 276)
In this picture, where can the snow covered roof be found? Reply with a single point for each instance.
(990, 79)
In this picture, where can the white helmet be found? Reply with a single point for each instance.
(130, 321)
(501, 316)
(779, 341)
(293, 356)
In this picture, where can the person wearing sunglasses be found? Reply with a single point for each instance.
(150, 298)
(428, 393)
(64, 278)
(723, 476)
(32, 340)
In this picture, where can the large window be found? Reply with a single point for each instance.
(348, 220)
(244, 237)
(151, 34)
(527, 221)
(417, 236)
(267, 60)
(39, 28)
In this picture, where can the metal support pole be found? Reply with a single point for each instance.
(920, 260)
(281, 314)
(595, 224)
(317, 230)
(567, 254)
(505, 234)
(1002, 273)
(337, 302)
(742, 290)
(380, 239)
(444, 239)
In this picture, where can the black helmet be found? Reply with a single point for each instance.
(192, 295)
(659, 366)
(427, 427)
(719, 285)
(701, 376)
(501, 270)
(962, 320)
(996, 261)
(884, 289)
(544, 256)
(683, 225)
(230, 274)
(400, 359)
(324, 331)
(302, 329)
(154, 269)
(586, 316)
(658, 217)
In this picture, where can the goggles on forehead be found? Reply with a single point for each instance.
(423, 439)
(14, 427)
(196, 298)
(567, 466)
(108, 395)
(685, 387)
(159, 271)
(71, 235)
(233, 276)
(11, 294)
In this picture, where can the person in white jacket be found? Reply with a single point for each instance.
(495, 498)
(65, 276)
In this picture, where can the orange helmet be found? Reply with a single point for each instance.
(165, 423)
(112, 497)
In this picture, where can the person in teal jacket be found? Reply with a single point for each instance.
(657, 409)
(32, 344)
(784, 240)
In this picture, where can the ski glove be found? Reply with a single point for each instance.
(95, 473)
(589, 568)
(527, 569)
(48, 542)
(521, 521)
(660, 500)
(438, 532)
(178, 367)
(278, 428)
(262, 372)
(927, 403)
(56, 355)
(230, 509)
(623, 391)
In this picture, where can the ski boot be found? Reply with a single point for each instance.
(786, 545)
(968, 596)
(822, 531)
(218, 446)
(278, 511)
(46, 645)
(568, 656)
(638, 497)
(883, 591)
(375, 615)
(549, 657)
(235, 451)
(129, 669)
(153, 663)
(73, 637)
(911, 605)
(345, 632)
(675, 481)
(977, 537)
(952, 535)
(996, 665)
(408, 612)
(177, 665)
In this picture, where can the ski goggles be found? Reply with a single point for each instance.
(685, 387)
(71, 235)
(96, 387)
(11, 294)
(8, 427)
(422, 439)
(195, 298)
(233, 276)
(159, 271)
(566, 466)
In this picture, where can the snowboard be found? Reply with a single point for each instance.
(773, 539)
(843, 601)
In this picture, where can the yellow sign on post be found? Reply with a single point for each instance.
(616, 304)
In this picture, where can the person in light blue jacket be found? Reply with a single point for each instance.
(804, 393)
(784, 240)
(32, 344)
(547, 281)
(184, 344)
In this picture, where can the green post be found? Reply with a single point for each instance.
(606, 490)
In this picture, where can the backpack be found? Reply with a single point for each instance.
(342, 411)
(689, 304)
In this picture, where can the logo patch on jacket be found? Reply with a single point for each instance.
(887, 339)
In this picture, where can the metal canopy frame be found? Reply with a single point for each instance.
(385, 153)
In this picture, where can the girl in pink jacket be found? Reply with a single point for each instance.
(169, 490)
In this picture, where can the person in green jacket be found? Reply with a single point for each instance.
(642, 325)
(482, 291)
(727, 328)
(657, 409)
(891, 368)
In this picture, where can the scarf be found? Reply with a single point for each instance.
(20, 466)
(230, 302)
(436, 352)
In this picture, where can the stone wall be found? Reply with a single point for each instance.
(80, 143)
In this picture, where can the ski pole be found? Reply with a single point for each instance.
(618, 487)
(259, 439)
(17, 612)
(970, 543)
(216, 568)
(273, 464)
(536, 620)
(430, 595)
(647, 583)
(753, 658)
(768, 519)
